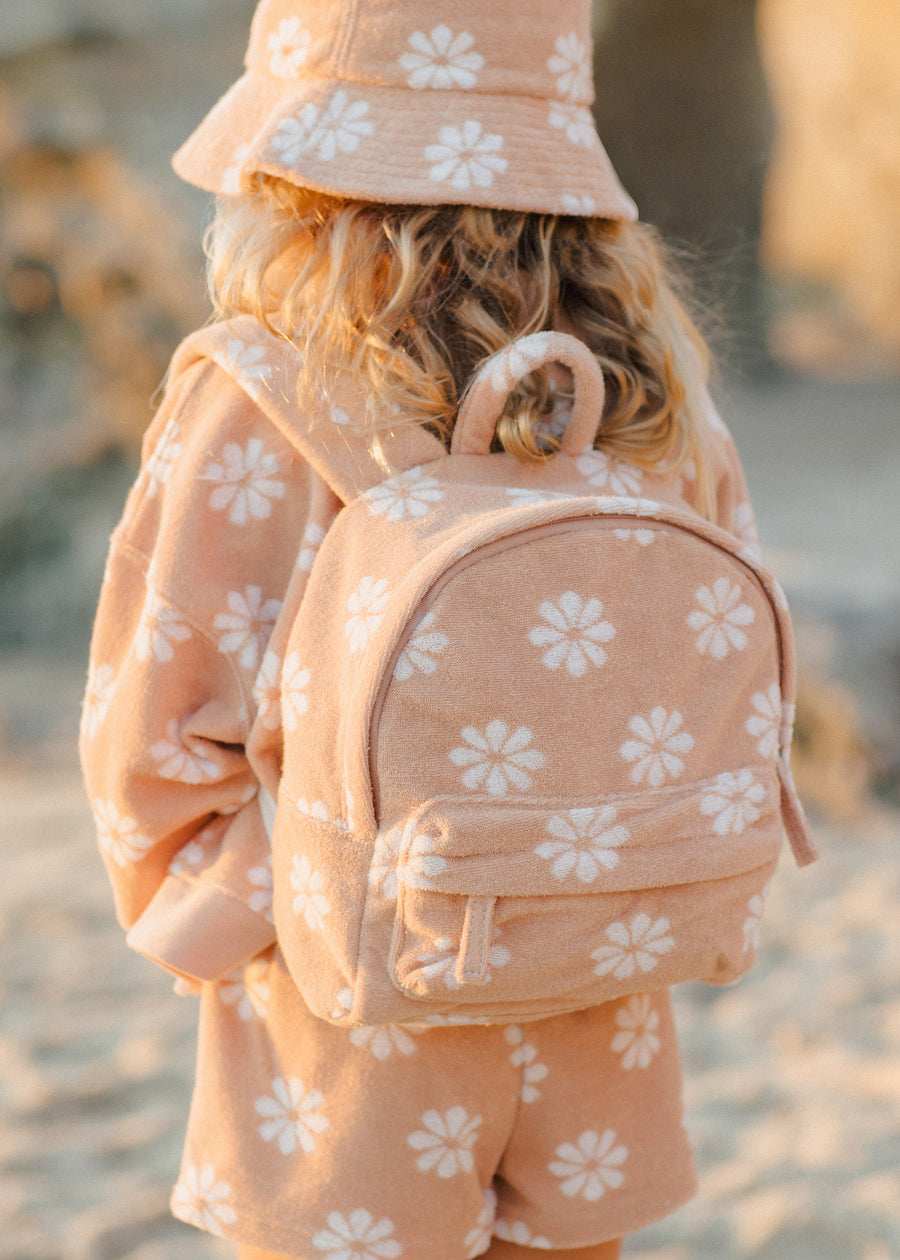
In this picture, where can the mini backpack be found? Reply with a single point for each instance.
(536, 737)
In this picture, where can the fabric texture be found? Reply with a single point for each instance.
(412, 102)
(295, 1120)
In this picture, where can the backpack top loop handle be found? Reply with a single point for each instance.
(485, 398)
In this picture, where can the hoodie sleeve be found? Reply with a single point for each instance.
(196, 574)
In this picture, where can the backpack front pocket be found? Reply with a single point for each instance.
(505, 909)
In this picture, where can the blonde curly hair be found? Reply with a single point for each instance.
(411, 299)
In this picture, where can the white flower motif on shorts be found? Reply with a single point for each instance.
(366, 607)
(338, 129)
(479, 1237)
(733, 802)
(247, 482)
(524, 1055)
(720, 618)
(262, 879)
(248, 625)
(755, 907)
(571, 64)
(248, 990)
(383, 1039)
(180, 761)
(310, 901)
(442, 60)
(637, 1040)
(518, 1232)
(200, 1198)
(466, 156)
(100, 686)
(288, 48)
(294, 700)
(765, 724)
(590, 1166)
(580, 205)
(291, 1115)
(573, 634)
(158, 629)
(584, 842)
(313, 537)
(409, 493)
(612, 475)
(637, 946)
(659, 747)
(248, 364)
(425, 644)
(118, 834)
(575, 121)
(231, 176)
(446, 1142)
(497, 760)
(163, 459)
(357, 1236)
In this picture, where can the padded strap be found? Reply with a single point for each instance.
(485, 399)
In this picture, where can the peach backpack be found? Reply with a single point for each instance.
(536, 737)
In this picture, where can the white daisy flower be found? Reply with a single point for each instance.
(765, 724)
(200, 1198)
(466, 156)
(571, 64)
(513, 363)
(573, 634)
(313, 537)
(358, 1236)
(637, 1040)
(247, 483)
(518, 1232)
(495, 759)
(118, 834)
(580, 204)
(440, 961)
(100, 686)
(383, 1039)
(425, 644)
(446, 1142)
(288, 48)
(584, 842)
(163, 458)
(248, 364)
(479, 1237)
(613, 475)
(267, 692)
(733, 802)
(158, 629)
(743, 525)
(637, 946)
(659, 747)
(344, 1004)
(191, 856)
(181, 761)
(591, 1166)
(248, 990)
(442, 60)
(755, 907)
(231, 176)
(404, 856)
(524, 1055)
(294, 700)
(248, 626)
(366, 607)
(720, 618)
(409, 493)
(291, 1115)
(310, 901)
(643, 537)
(337, 129)
(262, 879)
(522, 497)
(575, 121)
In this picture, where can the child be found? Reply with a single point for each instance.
(401, 194)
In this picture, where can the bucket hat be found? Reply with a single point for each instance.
(477, 102)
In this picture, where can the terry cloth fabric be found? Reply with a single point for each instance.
(300, 1129)
(413, 102)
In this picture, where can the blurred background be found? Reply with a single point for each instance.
(764, 140)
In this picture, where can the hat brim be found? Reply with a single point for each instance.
(394, 144)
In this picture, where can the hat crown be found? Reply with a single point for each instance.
(528, 48)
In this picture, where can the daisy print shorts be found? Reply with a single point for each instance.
(310, 1139)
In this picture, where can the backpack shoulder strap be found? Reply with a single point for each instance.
(330, 435)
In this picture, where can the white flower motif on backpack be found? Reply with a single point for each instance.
(404, 855)
(720, 619)
(409, 493)
(248, 990)
(572, 67)
(765, 724)
(466, 156)
(163, 459)
(446, 1142)
(288, 48)
(100, 686)
(337, 129)
(528, 497)
(510, 365)
(575, 121)
(180, 761)
(584, 842)
(310, 901)
(733, 802)
(248, 364)
(358, 1236)
(573, 634)
(118, 834)
(200, 1199)
(366, 607)
(442, 60)
(291, 1115)
(613, 475)
(383, 1039)
(524, 1055)
(637, 1040)
(248, 625)
(638, 946)
(439, 962)
(495, 759)
(658, 748)
(591, 1166)
(425, 644)
(518, 1232)
(158, 629)
(247, 482)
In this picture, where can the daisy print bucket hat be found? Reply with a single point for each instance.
(480, 102)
